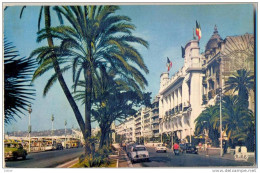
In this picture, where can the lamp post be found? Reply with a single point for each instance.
(220, 118)
(29, 126)
(52, 119)
(65, 132)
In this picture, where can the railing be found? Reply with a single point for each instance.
(155, 127)
(155, 121)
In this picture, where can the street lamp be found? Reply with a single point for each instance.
(220, 118)
(52, 119)
(65, 132)
(29, 126)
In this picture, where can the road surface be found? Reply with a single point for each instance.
(48, 159)
(186, 160)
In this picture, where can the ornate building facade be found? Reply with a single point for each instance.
(186, 94)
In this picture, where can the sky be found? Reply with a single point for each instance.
(165, 27)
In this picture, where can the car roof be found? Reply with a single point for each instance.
(139, 146)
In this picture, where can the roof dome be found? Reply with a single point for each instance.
(214, 40)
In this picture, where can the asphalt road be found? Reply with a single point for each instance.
(48, 159)
(186, 160)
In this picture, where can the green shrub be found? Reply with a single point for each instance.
(97, 159)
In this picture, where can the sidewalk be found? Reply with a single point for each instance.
(225, 156)
(123, 160)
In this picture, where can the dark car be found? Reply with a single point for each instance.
(191, 148)
(188, 148)
(183, 148)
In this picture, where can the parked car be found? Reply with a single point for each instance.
(161, 147)
(14, 151)
(191, 148)
(138, 153)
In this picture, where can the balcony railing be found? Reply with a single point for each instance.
(155, 121)
(155, 127)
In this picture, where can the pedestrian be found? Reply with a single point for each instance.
(176, 148)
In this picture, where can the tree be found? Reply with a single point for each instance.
(238, 121)
(242, 82)
(113, 100)
(208, 120)
(95, 38)
(18, 91)
(49, 60)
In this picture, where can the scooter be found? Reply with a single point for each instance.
(176, 152)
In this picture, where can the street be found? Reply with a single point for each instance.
(48, 159)
(185, 160)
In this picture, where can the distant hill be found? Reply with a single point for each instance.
(58, 132)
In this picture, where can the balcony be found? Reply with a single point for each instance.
(155, 114)
(155, 121)
(155, 127)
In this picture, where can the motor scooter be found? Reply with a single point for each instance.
(176, 152)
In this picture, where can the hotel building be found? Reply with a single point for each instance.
(185, 95)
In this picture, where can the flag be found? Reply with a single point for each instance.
(169, 64)
(198, 30)
(182, 51)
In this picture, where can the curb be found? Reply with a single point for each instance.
(67, 164)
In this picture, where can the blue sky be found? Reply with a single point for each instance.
(165, 27)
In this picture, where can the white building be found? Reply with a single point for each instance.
(126, 129)
(155, 117)
(184, 95)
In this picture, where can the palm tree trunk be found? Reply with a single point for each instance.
(102, 138)
(57, 70)
(88, 92)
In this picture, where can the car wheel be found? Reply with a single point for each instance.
(132, 161)
(15, 157)
(24, 157)
(165, 151)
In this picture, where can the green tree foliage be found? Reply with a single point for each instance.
(18, 91)
(241, 82)
(95, 38)
(238, 122)
(209, 120)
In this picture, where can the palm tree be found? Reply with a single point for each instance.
(49, 60)
(18, 91)
(242, 82)
(237, 120)
(208, 120)
(95, 38)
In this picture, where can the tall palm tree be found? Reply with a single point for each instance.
(237, 120)
(242, 82)
(95, 38)
(49, 60)
(207, 120)
(18, 91)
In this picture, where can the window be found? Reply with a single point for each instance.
(139, 149)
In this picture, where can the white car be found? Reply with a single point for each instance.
(161, 147)
(138, 152)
